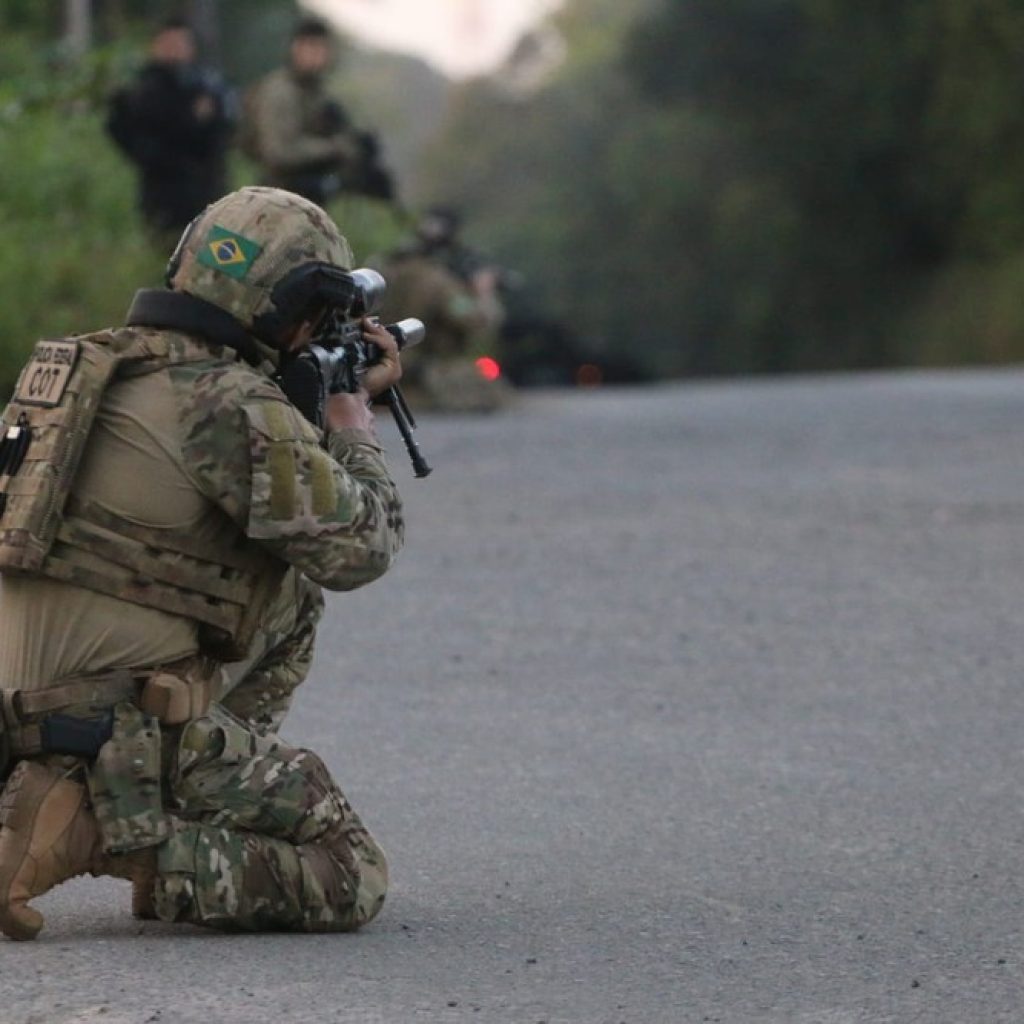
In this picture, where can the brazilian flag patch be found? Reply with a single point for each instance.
(228, 252)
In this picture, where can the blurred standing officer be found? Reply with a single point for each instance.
(304, 138)
(174, 122)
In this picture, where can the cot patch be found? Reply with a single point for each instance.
(228, 252)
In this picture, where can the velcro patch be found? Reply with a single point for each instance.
(45, 378)
(294, 491)
(229, 252)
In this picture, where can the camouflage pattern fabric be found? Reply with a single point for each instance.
(238, 881)
(249, 832)
(419, 286)
(442, 373)
(125, 784)
(204, 804)
(335, 515)
(263, 837)
(259, 690)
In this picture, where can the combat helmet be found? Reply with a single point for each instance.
(262, 255)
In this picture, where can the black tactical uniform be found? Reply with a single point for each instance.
(174, 122)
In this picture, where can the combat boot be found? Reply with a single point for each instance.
(48, 834)
(137, 867)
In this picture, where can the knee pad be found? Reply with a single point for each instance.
(361, 855)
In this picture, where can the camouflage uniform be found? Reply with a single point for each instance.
(255, 834)
(259, 690)
(442, 374)
(249, 832)
(422, 287)
(300, 135)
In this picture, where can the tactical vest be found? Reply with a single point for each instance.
(44, 531)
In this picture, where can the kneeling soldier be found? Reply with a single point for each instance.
(166, 521)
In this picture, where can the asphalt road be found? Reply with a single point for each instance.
(700, 704)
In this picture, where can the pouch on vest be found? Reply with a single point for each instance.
(124, 783)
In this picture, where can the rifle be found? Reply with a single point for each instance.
(339, 357)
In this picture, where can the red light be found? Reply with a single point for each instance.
(488, 368)
(589, 376)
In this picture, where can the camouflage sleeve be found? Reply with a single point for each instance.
(333, 514)
(283, 143)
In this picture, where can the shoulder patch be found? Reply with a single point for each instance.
(294, 490)
(45, 378)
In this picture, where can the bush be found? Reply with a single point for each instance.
(73, 246)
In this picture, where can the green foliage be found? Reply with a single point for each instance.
(253, 36)
(764, 184)
(73, 250)
(706, 185)
(73, 247)
(891, 131)
(553, 191)
(37, 17)
(371, 226)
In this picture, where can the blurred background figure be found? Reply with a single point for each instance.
(702, 188)
(454, 291)
(438, 236)
(174, 122)
(301, 136)
(501, 325)
(438, 239)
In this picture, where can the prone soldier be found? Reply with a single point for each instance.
(167, 518)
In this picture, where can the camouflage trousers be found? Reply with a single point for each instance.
(250, 833)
